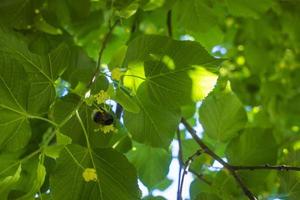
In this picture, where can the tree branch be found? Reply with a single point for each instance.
(208, 151)
(181, 165)
(103, 46)
(266, 167)
(187, 165)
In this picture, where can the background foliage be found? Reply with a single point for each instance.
(231, 65)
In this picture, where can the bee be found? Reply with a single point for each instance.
(103, 117)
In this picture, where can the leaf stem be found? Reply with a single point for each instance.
(89, 149)
(43, 119)
(73, 157)
(131, 75)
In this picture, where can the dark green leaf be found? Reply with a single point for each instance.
(116, 177)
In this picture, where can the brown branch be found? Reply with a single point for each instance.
(181, 164)
(267, 167)
(103, 46)
(186, 169)
(180, 160)
(227, 166)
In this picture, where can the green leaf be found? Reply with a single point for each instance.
(125, 8)
(66, 105)
(154, 125)
(226, 187)
(151, 163)
(53, 151)
(82, 69)
(253, 147)
(116, 177)
(222, 115)
(127, 102)
(18, 13)
(175, 70)
(194, 15)
(42, 71)
(154, 198)
(207, 196)
(253, 8)
(163, 185)
(197, 186)
(14, 124)
(290, 180)
(289, 185)
(188, 111)
(8, 182)
(117, 58)
(31, 179)
(37, 181)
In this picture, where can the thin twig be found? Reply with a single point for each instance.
(133, 29)
(208, 151)
(180, 160)
(187, 165)
(104, 42)
(267, 167)
(181, 165)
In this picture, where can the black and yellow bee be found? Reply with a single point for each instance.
(103, 117)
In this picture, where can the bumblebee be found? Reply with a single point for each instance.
(103, 117)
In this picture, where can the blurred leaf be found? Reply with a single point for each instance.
(251, 8)
(222, 115)
(194, 15)
(254, 146)
(8, 182)
(18, 13)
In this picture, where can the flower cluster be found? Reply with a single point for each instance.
(101, 97)
(89, 174)
(108, 128)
